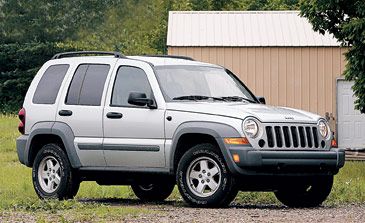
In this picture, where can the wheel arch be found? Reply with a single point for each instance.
(51, 132)
(192, 133)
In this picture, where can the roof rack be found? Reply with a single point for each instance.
(65, 54)
(171, 56)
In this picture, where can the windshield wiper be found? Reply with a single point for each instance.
(238, 98)
(197, 98)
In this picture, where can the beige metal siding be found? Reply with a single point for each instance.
(299, 77)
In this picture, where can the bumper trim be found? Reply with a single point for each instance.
(21, 143)
(333, 159)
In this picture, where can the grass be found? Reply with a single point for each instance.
(17, 194)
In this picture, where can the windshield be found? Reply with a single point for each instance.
(183, 82)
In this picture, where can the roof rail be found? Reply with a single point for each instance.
(171, 56)
(65, 54)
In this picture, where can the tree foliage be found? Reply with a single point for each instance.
(18, 65)
(345, 19)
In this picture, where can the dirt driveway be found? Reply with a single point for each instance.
(255, 213)
(179, 212)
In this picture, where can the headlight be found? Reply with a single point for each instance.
(323, 128)
(251, 128)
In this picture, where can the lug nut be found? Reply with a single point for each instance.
(200, 176)
(208, 174)
(204, 171)
(202, 181)
(208, 180)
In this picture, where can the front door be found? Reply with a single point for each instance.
(133, 135)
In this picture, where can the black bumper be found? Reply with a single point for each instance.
(21, 143)
(253, 162)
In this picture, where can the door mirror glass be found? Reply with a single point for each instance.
(140, 99)
(261, 100)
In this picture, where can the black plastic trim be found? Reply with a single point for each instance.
(65, 54)
(90, 146)
(171, 56)
(126, 147)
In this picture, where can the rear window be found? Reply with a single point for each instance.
(50, 83)
(87, 85)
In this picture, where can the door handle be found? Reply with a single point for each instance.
(65, 113)
(114, 115)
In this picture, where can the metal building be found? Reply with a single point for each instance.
(278, 55)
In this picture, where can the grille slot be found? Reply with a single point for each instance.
(292, 136)
(270, 137)
(315, 137)
(301, 136)
(286, 136)
(309, 136)
(278, 136)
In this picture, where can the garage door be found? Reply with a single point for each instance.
(351, 123)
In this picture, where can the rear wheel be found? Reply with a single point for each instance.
(203, 178)
(307, 193)
(52, 174)
(153, 191)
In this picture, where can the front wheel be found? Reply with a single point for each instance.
(307, 193)
(52, 174)
(203, 178)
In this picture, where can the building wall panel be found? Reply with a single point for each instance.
(299, 77)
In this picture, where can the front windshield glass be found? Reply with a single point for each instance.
(182, 82)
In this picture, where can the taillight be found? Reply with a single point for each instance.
(21, 126)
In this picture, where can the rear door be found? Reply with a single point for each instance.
(135, 138)
(82, 108)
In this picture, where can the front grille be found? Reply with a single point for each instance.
(292, 136)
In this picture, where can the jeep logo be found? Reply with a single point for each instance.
(289, 118)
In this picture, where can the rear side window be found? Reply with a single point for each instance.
(50, 83)
(129, 79)
(87, 85)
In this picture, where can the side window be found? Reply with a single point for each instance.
(87, 85)
(129, 79)
(50, 83)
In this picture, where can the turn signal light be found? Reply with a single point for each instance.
(236, 158)
(334, 143)
(236, 141)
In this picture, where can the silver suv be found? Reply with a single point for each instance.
(155, 121)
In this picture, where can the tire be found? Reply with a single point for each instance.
(153, 191)
(203, 177)
(308, 193)
(52, 174)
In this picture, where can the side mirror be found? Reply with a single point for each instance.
(261, 100)
(140, 99)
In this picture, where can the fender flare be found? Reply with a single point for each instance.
(217, 130)
(59, 129)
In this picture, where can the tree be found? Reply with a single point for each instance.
(48, 21)
(345, 19)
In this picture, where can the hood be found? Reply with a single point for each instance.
(241, 110)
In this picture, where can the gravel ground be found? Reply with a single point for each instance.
(172, 212)
(256, 213)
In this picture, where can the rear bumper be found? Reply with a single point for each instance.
(288, 162)
(21, 143)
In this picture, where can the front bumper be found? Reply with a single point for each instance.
(271, 162)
